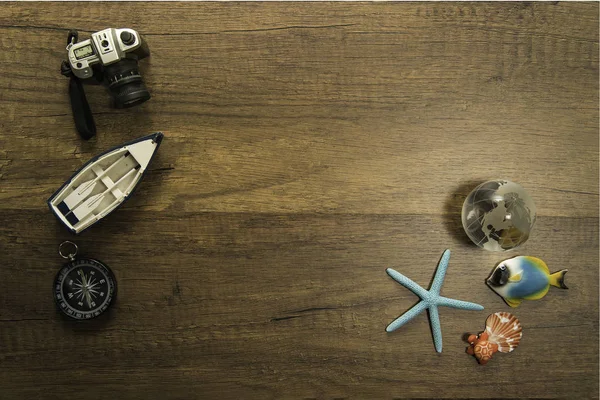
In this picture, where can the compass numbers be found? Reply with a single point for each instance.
(84, 288)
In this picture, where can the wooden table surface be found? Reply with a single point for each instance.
(308, 146)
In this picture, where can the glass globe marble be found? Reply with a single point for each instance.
(498, 215)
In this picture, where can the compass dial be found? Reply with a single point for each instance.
(84, 288)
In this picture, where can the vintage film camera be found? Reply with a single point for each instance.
(109, 57)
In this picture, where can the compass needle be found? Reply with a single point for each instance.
(88, 298)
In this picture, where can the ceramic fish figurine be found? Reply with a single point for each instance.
(502, 333)
(524, 277)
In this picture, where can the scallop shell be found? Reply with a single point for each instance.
(504, 329)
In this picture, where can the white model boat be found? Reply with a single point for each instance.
(103, 183)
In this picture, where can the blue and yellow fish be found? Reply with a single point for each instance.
(524, 277)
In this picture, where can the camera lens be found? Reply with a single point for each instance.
(126, 84)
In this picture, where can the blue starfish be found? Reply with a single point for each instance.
(430, 299)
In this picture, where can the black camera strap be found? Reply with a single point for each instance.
(82, 114)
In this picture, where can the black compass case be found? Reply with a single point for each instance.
(84, 289)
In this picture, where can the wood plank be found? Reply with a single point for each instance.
(308, 146)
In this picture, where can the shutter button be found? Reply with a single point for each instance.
(127, 38)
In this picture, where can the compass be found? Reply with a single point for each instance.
(84, 288)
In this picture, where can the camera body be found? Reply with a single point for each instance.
(111, 57)
(105, 47)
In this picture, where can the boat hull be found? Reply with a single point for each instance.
(103, 183)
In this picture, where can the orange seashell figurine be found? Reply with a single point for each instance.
(502, 333)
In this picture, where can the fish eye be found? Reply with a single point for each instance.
(502, 267)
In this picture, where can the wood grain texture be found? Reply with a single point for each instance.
(308, 146)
